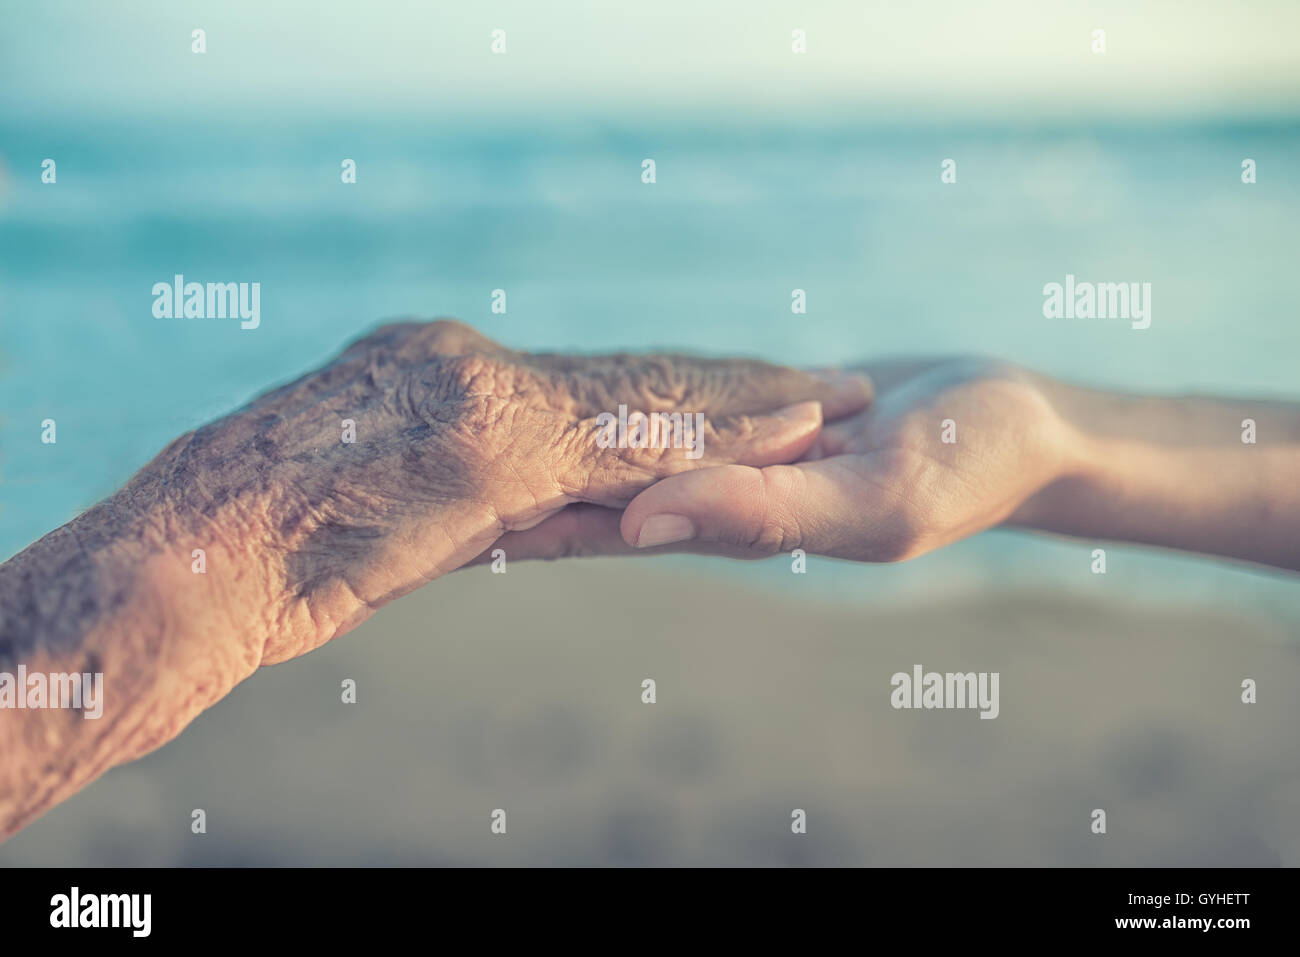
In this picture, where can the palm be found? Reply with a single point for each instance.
(947, 450)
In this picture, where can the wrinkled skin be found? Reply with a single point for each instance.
(264, 534)
(878, 486)
(458, 441)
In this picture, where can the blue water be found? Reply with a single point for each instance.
(593, 259)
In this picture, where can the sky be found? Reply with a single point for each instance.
(908, 57)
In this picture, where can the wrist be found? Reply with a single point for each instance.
(1075, 464)
(193, 583)
(284, 552)
(1117, 477)
(196, 549)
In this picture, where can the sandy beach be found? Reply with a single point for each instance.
(523, 692)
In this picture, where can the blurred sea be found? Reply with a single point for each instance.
(592, 259)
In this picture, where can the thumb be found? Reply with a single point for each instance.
(774, 509)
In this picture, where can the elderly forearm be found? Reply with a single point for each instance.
(119, 644)
(1218, 476)
(267, 533)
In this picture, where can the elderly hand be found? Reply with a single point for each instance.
(266, 533)
(457, 440)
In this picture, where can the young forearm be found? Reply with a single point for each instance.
(1174, 472)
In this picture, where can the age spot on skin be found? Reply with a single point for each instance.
(328, 553)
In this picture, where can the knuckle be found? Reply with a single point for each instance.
(739, 428)
(777, 528)
(475, 375)
(447, 335)
(462, 372)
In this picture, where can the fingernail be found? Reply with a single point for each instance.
(664, 530)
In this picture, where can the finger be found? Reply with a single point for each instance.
(840, 393)
(626, 455)
(738, 386)
(582, 531)
(837, 439)
(715, 387)
(816, 506)
(574, 531)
